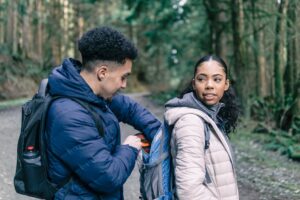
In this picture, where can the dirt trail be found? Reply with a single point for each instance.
(252, 175)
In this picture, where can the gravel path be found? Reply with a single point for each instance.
(9, 130)
(252, 175)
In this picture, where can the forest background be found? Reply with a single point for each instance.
(259, 40)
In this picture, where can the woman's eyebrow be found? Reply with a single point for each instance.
(214, 75)
(201, 74)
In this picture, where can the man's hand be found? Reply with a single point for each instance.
(133, 141)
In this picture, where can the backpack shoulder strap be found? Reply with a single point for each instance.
(207, 135)
(43, 87)
(95, 116)
(207, 143)
(43, 91)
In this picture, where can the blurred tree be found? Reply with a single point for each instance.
(217, 22)
(291, 76)
(3, 6)
(258, 39)
(279, 50)
(239, 51)
(258, 48)
(11, 27)
(292, 49)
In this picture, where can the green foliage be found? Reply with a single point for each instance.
(274, 114)
(22, 8)
(279, 122)
(168, 27)
(162, 97)
(281, 141)
(296, 126)
(135, 9)
(294, 152)
(89, 1)
(12, 103)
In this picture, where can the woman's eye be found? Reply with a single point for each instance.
(218, 80)
(201, 79)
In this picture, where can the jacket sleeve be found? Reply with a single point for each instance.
(132, 113)
(188, 134)
(75, 140)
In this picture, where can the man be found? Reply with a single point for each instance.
(96, 167)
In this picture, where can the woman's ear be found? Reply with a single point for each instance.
(227, 84)
(101, 72)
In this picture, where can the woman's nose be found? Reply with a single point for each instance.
(209, 84)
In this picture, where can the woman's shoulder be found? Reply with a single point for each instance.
(189, 119)
(184, 114)
(192, 117)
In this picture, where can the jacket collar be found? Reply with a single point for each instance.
(65, 80)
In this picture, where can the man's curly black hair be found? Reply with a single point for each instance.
(106, 44)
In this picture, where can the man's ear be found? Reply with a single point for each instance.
(227, 84)
(102, 72)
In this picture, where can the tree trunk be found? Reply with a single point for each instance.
(221, 39)
(296, 70)
(15, 28)
(27, 31)
(279, 51)
(290, 79)
(260, 60)
(65, 27)
(2, 23)
(215, 21)
(39, 40)
(10, 26)
(78, 28)
(211, 18)
(55, 31)
(239, 52)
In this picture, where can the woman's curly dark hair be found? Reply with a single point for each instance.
(106, 44)
(230, 112)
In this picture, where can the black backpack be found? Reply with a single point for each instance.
(31, 171)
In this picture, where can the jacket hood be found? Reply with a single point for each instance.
(189, 101)
(66, 80)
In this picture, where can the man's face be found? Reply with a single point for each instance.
(115, 79)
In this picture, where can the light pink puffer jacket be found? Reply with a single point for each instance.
(191, 160)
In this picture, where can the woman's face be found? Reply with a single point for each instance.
(210, 82)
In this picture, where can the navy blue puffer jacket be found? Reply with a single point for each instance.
(98, 166)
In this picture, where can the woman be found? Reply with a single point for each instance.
(204, 170)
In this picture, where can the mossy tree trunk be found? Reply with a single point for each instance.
(280, 51)
(259, 57)
(239, 53)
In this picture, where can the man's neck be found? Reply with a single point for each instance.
(90, 80)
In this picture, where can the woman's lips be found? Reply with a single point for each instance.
(209, 96)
